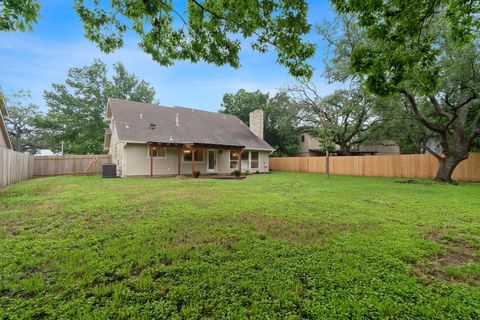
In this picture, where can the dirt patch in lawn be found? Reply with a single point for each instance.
(227, 230)
(447, 265)
(302, 232)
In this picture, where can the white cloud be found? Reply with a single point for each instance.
(29, 62)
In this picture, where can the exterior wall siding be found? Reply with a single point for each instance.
(3, 140)
(116, 150)
(309, 142)
(3, 132)
(137, 162)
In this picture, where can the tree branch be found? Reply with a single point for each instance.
(239, 24)
(475, 131)
(418, 115)
(438, 108)
(436, 155)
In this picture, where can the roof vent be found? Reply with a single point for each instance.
(176, 120)
(171, 139)
(141, 115)
(152, 126)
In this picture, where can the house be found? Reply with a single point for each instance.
(4, 138)
(151, 140)
(308, 145)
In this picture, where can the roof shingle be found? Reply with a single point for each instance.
(133, 119)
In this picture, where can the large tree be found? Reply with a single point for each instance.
(21, 124)
(349, 114)
(397, 125)
(77, 107)
(420, 52)
(280, 117)
(210, 30)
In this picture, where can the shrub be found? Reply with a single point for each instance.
(196, 174)
(236, 173)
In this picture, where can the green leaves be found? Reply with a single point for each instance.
(18, 14)
(21, 124)
(404, 37)
(280, 117)
(210, 30)
(77, 108)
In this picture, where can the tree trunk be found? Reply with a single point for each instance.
(18, 144)
(447, 165)
(344, 150)
(327, 163)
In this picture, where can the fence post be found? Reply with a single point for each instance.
(417, 166)
(74, 166)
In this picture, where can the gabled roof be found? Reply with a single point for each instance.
(133, 124)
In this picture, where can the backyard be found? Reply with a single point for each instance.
(278, 246)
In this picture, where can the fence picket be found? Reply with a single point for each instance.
(69, 165)
(14, 167)
(395, 166)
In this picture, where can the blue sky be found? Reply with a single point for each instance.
(34, 60)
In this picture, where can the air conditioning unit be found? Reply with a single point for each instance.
(109, 170)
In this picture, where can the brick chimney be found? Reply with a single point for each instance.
(256, 122)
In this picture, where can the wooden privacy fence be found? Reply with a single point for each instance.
(74, 165)
(14, 167)
(397, 166)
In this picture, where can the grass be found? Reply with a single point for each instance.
(280, 246)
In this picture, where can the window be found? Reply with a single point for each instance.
(303, 138)
(233, 159)
(254, 159)
(245, 156)
(187, 155)
(157, 152)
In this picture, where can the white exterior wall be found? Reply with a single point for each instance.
(263, 164)
(117, 157)
(223, 161)
(3, 138)
(117, 152)
(137, 162)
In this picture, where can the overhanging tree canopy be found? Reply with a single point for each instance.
(213, 31)
(209, 30)
(425, 51)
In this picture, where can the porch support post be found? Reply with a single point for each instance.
(192, 150)
(240, 152)
(179, 154)
(193, 162)
(151, 160)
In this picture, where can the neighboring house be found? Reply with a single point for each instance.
(46, 152)
(4, 138)
(432, 144)
(150, 140)
(308, 145)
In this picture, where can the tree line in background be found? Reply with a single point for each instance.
(411, 69)
(76, 110)
(75, 114)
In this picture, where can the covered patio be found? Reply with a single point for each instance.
(189, 150)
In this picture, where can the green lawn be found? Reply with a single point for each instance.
(284, 246)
